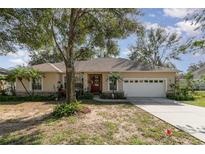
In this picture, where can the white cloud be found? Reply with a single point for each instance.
(177, 13)
(149, 25)
(18, 61)
(18, 54)
(151, 15)
(169, 29)
(125, 53)
(19, 58)
(188, 27)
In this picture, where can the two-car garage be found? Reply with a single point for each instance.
(144, 87)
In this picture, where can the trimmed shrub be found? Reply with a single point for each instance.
(181, 97)
(66, 109)
(86, 95)
(109, 95)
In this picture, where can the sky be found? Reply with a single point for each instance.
(171, 19)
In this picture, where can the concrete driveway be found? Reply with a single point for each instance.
(189, 118)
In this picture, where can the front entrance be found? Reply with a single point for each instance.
(95, 83)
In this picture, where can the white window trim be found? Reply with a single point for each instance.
(109, 84)
(30, 85)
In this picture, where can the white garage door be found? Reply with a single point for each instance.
(136, 87)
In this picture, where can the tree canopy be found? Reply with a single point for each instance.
(196, 44)
(73, 32)
(194, 67)
(156, 47)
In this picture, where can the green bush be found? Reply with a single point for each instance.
(86, 95)
(108, 95)
(181, 97)
(66, 109)
(26, 98)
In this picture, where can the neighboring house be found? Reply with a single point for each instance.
(3, 71)
(197, 76)
(3, 84)
(199, 72)
(137, 80)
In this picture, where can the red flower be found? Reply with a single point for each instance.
(168, 132)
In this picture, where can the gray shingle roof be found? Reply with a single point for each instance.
(3, 71)
(102, 65)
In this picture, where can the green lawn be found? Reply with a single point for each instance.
(199, 99)
(108, 123)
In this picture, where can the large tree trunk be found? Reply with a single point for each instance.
(70, 71)
(70, 84)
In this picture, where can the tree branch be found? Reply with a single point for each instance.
(55, 39)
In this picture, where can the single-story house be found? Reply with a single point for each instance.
(137, 80)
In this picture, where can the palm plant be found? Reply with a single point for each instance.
(114, 78)
(24, 73)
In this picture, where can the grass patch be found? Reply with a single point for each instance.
(199, 99)
(16, 139)
(63, 136)
(111, 129)
(72, 119)
(106, 124)
(104, 114)
(137, 141)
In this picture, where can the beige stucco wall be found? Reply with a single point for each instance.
(169, 76)
(19, 86)
(50, 80)
(49, 83)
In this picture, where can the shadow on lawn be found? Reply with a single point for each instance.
(93, 102)
(21, 102)
(155, 101)
(12, 125)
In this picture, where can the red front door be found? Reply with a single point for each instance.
(95, 83)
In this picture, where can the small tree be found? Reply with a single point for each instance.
(156, 47)
(114, 78)
(189, 80)
(24, 73)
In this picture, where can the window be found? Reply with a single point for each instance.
(160, 81)
(141, 81)
(150, 81)
(146, 81)
(136, 81)
(37, 84)
(112, 85)
(125, 81)
(131, 81)
(155, 81)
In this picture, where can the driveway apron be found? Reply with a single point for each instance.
(189, 118)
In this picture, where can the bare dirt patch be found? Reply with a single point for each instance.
(108, 123)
